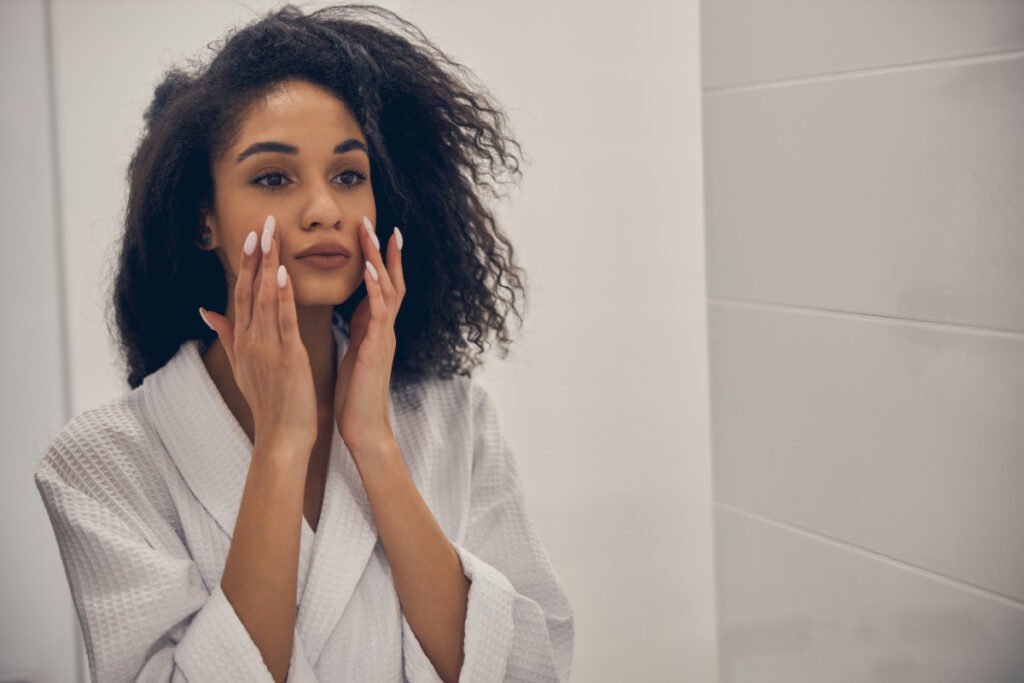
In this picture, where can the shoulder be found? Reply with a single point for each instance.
(447, 426)
(459, 418)
(105, 451)
(457, 401)
(447, 430)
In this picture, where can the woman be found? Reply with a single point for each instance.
(310, 486)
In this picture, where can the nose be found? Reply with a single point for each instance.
(322, 209)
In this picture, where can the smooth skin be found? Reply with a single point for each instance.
(274, 364)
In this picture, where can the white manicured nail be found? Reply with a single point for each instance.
(373, 271)
(205, 320)
(398, 238)
(369, 231)
(282, 276)
(268, 233)
(268, 239)
(250, 243)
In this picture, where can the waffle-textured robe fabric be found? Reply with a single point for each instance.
(143, 493)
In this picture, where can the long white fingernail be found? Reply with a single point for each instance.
(250, 243)
(268, 238)
(369, 231)
(398, 238)
(282, 276)
(206, 321)
(268, 232)
(373, 271)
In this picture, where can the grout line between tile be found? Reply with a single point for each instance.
(872, 317)
(63, 318)
(875, 555)
(972, 60)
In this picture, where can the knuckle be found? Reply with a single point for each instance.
(269, 278)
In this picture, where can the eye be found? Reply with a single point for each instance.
(269, 174)
(360, 177)
(356, 178)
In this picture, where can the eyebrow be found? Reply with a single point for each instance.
(274, 146)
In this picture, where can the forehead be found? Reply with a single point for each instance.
(298, 109)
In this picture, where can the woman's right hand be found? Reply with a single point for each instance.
(267, 356)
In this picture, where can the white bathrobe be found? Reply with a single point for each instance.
(143, 493)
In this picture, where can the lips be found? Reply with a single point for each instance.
(324, 249)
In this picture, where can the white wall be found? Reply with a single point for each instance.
(605, 397)
(865, 278)
(36, 617)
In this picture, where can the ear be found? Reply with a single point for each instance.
(208, 233)
(208, 218)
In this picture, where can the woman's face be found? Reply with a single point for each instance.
(300, 156)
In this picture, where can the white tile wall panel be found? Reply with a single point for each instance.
(748, 41)
(895, 194)
(903, 438)
(37, 620)
(793, 608)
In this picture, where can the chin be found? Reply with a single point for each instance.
(323, 293)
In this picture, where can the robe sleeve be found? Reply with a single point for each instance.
(144, 612)
(519, 622)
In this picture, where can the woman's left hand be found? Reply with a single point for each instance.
(362, 390)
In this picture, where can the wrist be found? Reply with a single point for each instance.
(377, 450)
(280, 448)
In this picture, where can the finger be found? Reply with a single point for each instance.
(257, 285)
(371, 248)
(395, 262)
(225, 330)
(257, 279)
(248, 264)
(266, 298)
(378, 307)
(289, 323)
(357, 327)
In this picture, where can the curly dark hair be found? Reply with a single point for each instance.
(435, 136)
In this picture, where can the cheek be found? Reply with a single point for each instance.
(231, 251)
(230, 266)
(238, 216)
(230, 257)
(234, 234)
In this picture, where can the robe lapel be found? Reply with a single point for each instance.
(345, 538)
(213, 452)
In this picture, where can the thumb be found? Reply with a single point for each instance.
(225, 330)
(360, 322)
(344, 378)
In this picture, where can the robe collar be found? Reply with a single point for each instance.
(213, 452)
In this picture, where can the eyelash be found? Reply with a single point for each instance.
(361, 178)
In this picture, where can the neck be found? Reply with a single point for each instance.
(318, 338)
